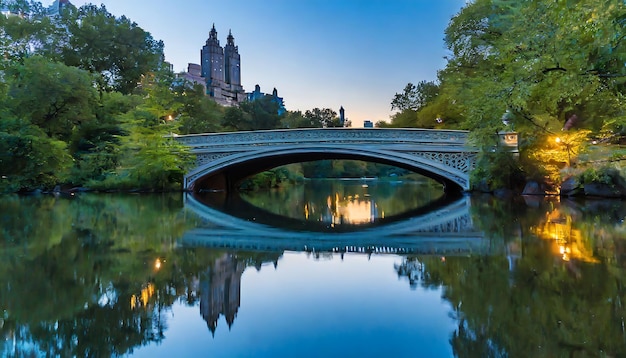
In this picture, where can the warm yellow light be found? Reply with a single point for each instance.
(558, 139)
(157, 264)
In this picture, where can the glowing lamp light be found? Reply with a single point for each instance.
(157, 264)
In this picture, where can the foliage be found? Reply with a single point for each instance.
(29, 159)
(496, 169)
(253, 115)
(117, 49)
(197, 112)
(295, 119)
(150, 160)
(53, 96)
(322, 118)
(530, 66)
(59, 129)
(608, 175)
(551, 153)
(415, 97)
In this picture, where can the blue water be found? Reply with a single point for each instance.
(307, 307)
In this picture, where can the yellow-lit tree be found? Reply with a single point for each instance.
(559, 151)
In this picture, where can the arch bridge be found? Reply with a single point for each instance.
(223, 159)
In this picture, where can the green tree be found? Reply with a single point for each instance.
(423, 106)
(53, 96)
(198, 113)
(415, 97)
(530, 66)
(30, 159)
(117, 49)
(23, 34)
(295, 119)
(322, 118)
(253, 115)
(538, 59)
(236, 119)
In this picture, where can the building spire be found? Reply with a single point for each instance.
(230, 39)
(213, 33)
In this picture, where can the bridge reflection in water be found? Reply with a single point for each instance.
(445, 230)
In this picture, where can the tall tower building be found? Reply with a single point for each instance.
(212, 57)
(220, 68)
(232, 61)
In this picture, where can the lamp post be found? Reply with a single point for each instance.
(566, 144)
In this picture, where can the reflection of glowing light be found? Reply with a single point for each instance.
(568, 242)
(355, 212)
(157, 264)
(144, 296)
(349, 209)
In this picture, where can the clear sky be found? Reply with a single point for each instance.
(316, 53)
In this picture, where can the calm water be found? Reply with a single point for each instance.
(341, 268)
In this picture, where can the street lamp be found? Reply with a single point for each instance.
(567, 146)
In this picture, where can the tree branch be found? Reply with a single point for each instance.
(558, 68)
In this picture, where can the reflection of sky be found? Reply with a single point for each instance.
(327, 307)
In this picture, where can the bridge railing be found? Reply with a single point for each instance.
(328, 135)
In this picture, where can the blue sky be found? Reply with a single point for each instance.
(316, 53)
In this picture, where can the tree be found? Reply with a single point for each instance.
(422, 106)
(236, 119)
(322, 118)
(259, 114)
(30, 159)
(198, 113)
(536, 63)
(539, 59)
(415, 97)
(117, 49)
(295, 119)
(52, 96)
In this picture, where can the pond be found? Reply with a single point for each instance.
(329, 268)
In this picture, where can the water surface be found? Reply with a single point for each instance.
(158, 275)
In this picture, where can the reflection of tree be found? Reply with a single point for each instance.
(93, 275)
(68, 274)
(542, 306)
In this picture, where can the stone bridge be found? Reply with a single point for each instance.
(223, 159)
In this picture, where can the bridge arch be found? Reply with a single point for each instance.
(235, 167)
(444, 155)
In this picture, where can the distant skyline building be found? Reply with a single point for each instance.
(57, 6)
(342, 116)
(219, 71)
(257, 94)
(52, 10)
